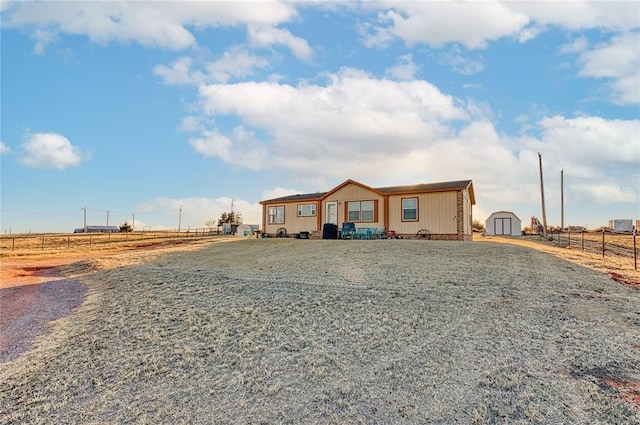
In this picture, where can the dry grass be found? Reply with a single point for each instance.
(291, 331)
(619, 267)
(35, 245)
(621, 239)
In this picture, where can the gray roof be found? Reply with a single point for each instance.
(425, 187)
(304, 196)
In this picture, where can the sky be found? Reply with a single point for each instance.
(166, 114)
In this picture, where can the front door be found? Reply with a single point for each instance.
(332, 213)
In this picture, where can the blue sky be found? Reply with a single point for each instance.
(166, 113)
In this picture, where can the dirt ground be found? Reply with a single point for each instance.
(286, 331)
(620, 269)
(34, 266)
(35, 288)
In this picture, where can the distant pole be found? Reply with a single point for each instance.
(544, 210)
(133, 222)
(107, 218)
(561, 199)
(635, 250)
(179, 218)
(85, 219)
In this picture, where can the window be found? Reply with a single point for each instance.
(308, 210)
(276, 215)
(410, 209)
(367, 210)
(361, 210)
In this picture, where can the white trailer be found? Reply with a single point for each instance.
(621, 225)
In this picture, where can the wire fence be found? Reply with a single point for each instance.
(606, 243)
(59, 241)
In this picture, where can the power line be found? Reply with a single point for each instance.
(37, 213)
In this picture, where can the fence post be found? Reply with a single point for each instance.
(603, 242)
(635, 251)
(42, 242)
(583, 240)
(569, 243)
(68, 241)
(90, 241)
(13, 243)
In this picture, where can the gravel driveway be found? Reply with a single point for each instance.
(315, 331)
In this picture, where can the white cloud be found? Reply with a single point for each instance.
(50, 150)
(576, 15)
(384, 132)
(404, 69)
(474, 24)
(578, 45)
(460, 64)
(472, 86)
(196, 211)
(179, 72)
(213, 144)
(278, 192)
(241, 148)
(191, 124)
(619, 61)
(43, 38)
(592, 141)
(355, 115)
(161, 24)
(265, 36)
(436, 23)
(235, 63)
(530, 32)
(4, 148)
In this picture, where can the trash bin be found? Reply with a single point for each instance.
(330, 231)
(304, 235)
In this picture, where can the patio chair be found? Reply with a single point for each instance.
(381, 233)
(348, 230)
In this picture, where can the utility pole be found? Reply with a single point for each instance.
(85, 219)
(544, 209)
(107, 218)
(561, 199)
(179, 218)
(133, 222)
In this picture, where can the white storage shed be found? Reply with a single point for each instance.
(503, 223)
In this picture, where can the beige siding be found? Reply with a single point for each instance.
(293, 223)
(436, 213)
(468, 219)
(354, 192)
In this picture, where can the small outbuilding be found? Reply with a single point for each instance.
(621, 225)
(503, 223)
(97, 229)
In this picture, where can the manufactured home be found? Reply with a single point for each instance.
(503, 223)
(432, 211)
